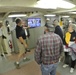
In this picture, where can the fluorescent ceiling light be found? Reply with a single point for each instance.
(72, 12)
(65, 16)
(65, 4)
(17, 15)
(49, 15)
(53, 4)
(47, 4)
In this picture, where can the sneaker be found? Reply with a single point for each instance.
(17, 65)
(28, 50)
(5, 53)
(2, 55)
(26, 59)
(71, 70)
(65, 65)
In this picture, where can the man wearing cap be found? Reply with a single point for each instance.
(48, 51)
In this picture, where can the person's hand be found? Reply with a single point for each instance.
(28, 26)
(25, 27)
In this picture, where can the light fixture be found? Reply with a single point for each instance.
(65, 4)
(48, 15)
(17, 15)
(66, 16)
(53, 4)
(72, 12)
(46, 4)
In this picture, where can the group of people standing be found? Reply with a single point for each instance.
(22, 35)
(50, 46)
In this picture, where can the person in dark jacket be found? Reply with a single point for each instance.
(70, 37)
(58, 30)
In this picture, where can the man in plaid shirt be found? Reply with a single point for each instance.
(48, 51)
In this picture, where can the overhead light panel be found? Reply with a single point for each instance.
(66, 16)
(53, 4)
(46, 4)
(65, 4)
(48, 15)
(72, 12)
(17, 15)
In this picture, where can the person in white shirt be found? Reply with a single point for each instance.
(2, 44)
(27, 34)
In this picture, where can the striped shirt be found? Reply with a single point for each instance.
(49, 47)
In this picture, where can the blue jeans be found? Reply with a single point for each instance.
(49, 69)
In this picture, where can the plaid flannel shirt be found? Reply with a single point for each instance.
(49, 48)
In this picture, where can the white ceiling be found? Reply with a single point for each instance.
(27, 6)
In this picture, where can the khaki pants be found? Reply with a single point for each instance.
(2, 45)
(21, 47)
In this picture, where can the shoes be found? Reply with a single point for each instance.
(26, 59)
(71, 70)
(5, 53)
(65, 65)
(2, 55)
(28, 50)
(17, 65)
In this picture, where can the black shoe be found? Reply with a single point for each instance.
(2, 55)
(28, 50)
(5, 53)
(26, 59)
(17, 65)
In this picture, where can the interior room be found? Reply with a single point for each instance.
(35, 13)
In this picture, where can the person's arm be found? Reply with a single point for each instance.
(26, 27)
(61, 46)
(22, 42)
(38, 53)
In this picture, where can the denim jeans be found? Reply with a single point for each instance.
(49, 69)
